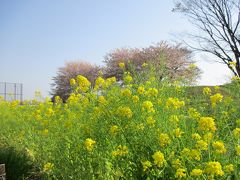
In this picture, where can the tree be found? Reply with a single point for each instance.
(218, 22)
(169, 61)
(61, 85)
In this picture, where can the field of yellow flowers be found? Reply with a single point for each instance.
(147, 130)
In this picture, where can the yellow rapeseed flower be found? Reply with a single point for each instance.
(178, 132)
(236, 132)
(229, 168)
(206, 124)
(114, 129)
(126, 92)
(181, 173)
(128, 79)
(83, 83)
(135, 99)
(147, 105)
(146, 165)
(72, 82)
(164, 139)
(207, 91)
(201, 145)
(237, 148)
(159, 159)
(150, 120)
(174, 103)
(140, 90)
(176, 163)
(219, 147)
(216, 98)
(48, 167)
(152, 92)
(121, 151)
(121, 65)
(100, 82)
(196, 136)
(89, 144)
(214, 168)
(125, 112)
(196, 172)
(193, 113)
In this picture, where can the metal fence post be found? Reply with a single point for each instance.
(15, 91)
(5, 91)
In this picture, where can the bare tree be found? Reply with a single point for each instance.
(218, 22)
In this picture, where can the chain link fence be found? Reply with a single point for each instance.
(11, 91)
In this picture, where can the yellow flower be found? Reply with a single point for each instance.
(214, 168)
(152, 92)
(114, 129)
(237, 150)
(144, 65)
(176, 163)
(102, 100)
(174, 103)
(126, 92)
(89, 144)
(121, 151)
(146, 165)
(229, 168)
(193, 113)
(164, 139)
(140, 90)
(219, 147)
(195, 154)
(196, 172)
(127, 79)
(147, 105)
(207, 91)
(178, 132)
(48, 167)
(110, 81)
(159, 159)
(83, 83)
(135, 99)
(181, 173)
(185, 152)
(196, 136)
(236, 132)
(49, 112)
(150, 120)
(174, 119)
(72, 82)
(100, 82)
(121, 65)
(201, 145)
(125, 112)
(140, 126)
(216, 98)
(206, 124)
(208, 137)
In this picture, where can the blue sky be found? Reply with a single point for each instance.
(37, 37)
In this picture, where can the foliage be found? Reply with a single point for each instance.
(136, 131)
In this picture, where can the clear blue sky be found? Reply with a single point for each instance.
(39, 36)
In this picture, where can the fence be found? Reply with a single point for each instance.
(11, 91)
